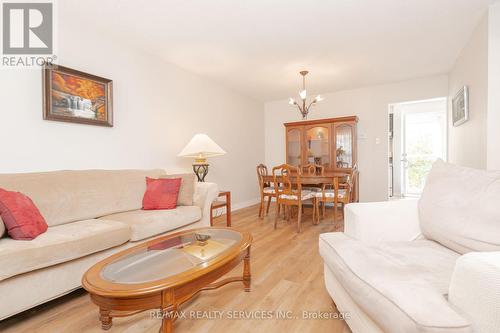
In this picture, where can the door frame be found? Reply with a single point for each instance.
(399, 159)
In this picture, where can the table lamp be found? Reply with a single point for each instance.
(200, 147)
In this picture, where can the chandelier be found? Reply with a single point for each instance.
(304, 107)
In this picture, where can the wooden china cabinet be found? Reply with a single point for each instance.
(330, 142)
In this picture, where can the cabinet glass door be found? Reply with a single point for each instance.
(344, 146)
(293, 154)
(318, 145)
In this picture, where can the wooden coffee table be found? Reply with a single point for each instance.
(165, 272)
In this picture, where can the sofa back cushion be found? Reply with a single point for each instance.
(68, 196)
(186, 192)
(460, 208)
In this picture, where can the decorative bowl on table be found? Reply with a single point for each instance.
(202, 238)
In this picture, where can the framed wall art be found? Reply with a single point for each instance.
(460, 107)
(77, 97)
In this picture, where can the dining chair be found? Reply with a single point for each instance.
(289, 194)
(343, 183)
(352, 183)
(266, 190)
(311, 169)
(336, 193)
(355, 179)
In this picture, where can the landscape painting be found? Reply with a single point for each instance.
(78, 97)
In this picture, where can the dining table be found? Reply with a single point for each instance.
(311, 179)
(317, 179)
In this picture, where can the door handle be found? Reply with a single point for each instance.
(405, 162)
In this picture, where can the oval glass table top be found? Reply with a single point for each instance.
(170, 256)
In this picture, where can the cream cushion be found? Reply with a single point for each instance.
(60, 244)
(330, 194)
(68, 196)
(147, 223)
(306, 195)
(459, 208)
(475, 289)
(358, 320)
(401, 285)
(186, 191)
(269, 190)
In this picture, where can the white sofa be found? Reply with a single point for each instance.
(427, 265)
(91, 214)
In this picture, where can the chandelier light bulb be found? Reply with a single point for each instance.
(303, 94)
(318, 98)
(291, 101)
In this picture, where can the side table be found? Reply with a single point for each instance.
(222, 203)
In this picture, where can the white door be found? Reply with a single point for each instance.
(423, 141)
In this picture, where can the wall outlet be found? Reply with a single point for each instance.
(377, 141)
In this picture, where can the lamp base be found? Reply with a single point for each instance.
(201, 171)
(200, 160)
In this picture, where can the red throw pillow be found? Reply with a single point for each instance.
(161, 193)
(20, 216)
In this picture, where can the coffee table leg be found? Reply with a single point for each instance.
(168, 309)
(247, 276)
(167, 324)
(105, 318)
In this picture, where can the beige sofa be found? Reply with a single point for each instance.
(430, 265)
(91, 214)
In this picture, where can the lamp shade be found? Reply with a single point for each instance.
(201, 146)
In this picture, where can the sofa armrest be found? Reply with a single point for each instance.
(395, 220)
(204, 195)
(475, 289)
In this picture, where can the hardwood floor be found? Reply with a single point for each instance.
(287, 275)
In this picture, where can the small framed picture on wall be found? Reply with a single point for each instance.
(460, 107)
(76, 97)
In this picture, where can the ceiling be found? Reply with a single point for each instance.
(258, 46)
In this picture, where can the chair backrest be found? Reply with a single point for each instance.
(261, 172)
(312, 169)
(282, 175)
(333, 185)
(351, 183)
(355, 178)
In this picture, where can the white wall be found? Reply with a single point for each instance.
(467, 142)
(370, 104)
(158, 107)
(493, 139)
